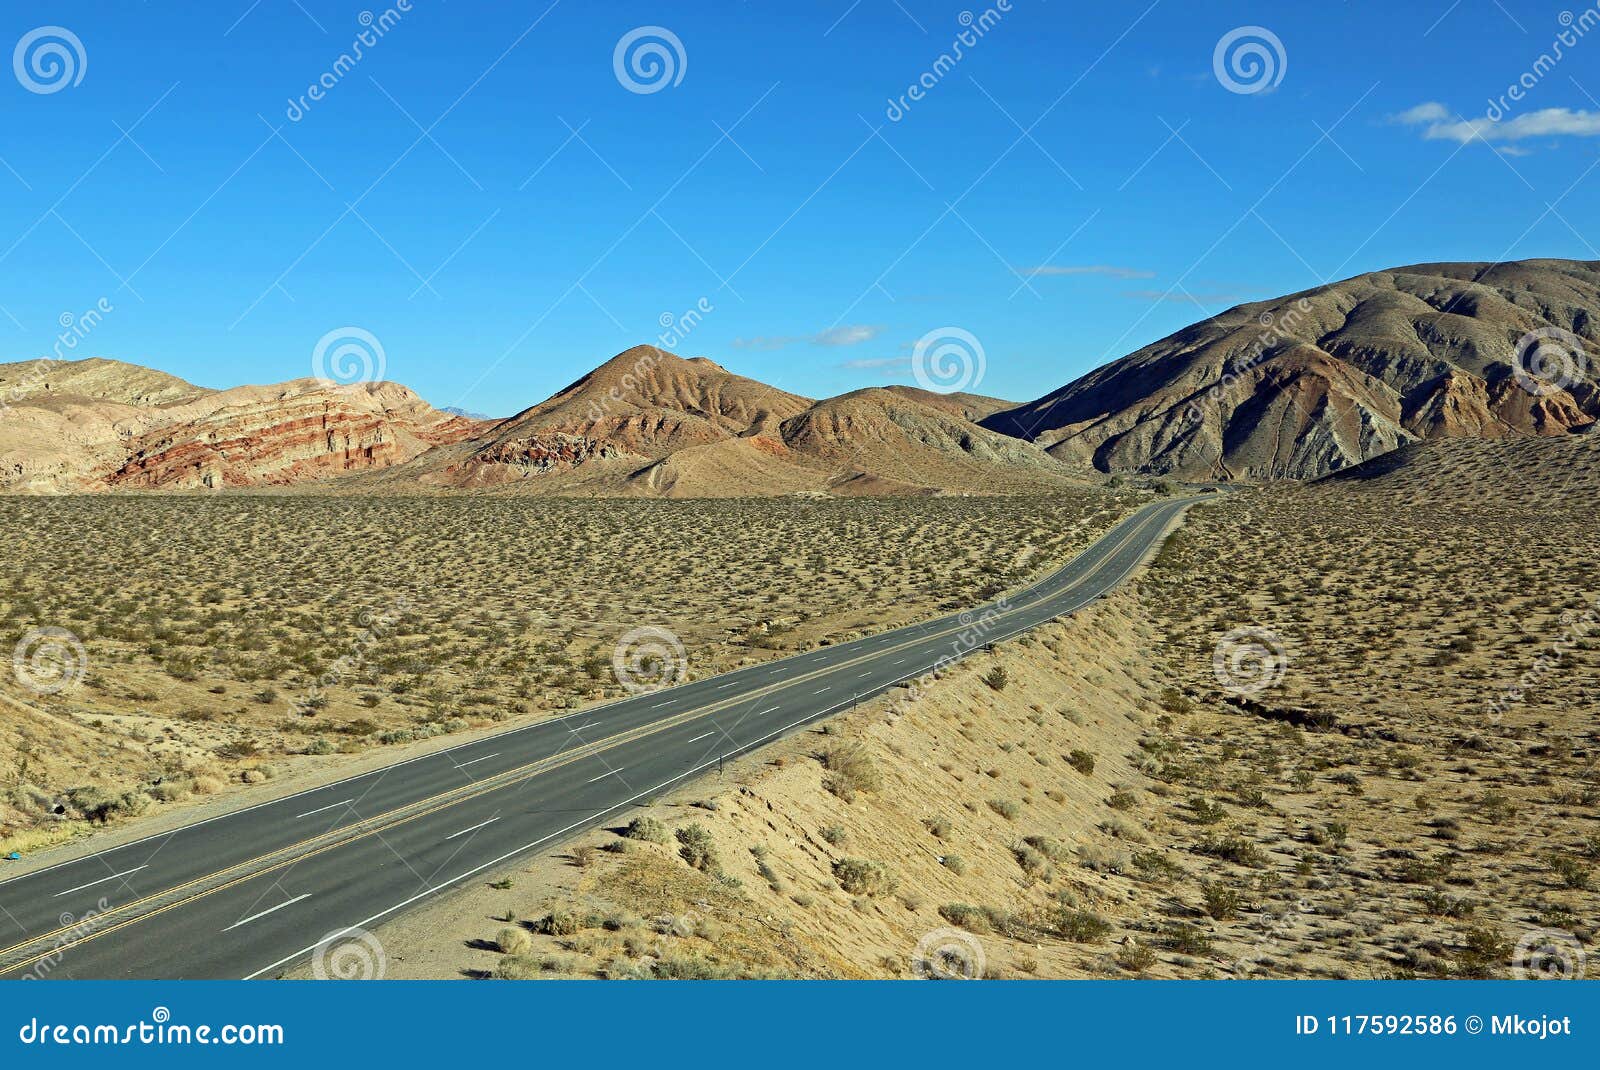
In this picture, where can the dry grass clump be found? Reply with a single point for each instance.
(1407, 788)
(225, 632)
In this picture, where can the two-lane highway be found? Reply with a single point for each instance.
(253, 892)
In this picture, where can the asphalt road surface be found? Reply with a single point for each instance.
(256, 892)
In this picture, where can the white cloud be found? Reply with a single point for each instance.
(1427, 112)
(873, 363)
(761, 341)
(1205, 297)
(1439, 124)
(850, 334)
(1109, 270)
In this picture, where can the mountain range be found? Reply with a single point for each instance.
(1294, 388)
(1321, 380)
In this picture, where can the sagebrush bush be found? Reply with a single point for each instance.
(698, 849)
(861, 876)
(850, 769)
(647, 828)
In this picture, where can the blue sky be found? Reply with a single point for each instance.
(482, 193)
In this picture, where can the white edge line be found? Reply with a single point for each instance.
(320, 809)
(102, 880)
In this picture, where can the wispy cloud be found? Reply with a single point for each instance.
(852, 335)
(1189, 297)
(1108, 270)
(762, 341)
(876, 363)
(1438, 123)
(1430, 111)
(847, 335)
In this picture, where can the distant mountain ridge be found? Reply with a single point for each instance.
(100, 424)
(645, 422)
(1311, 383)
(1293, 388)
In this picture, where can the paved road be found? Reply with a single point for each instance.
(254, 892)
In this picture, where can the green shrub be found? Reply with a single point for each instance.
(850, 769)
(1082, 761)
(1080, 926)
(1188, 939)
(860, 876)
(646, 828)
(698, 849)
(1006, 808)
(559, 923)
(513, 941)
(1222, 902)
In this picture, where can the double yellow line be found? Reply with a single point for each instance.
(285, 856)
